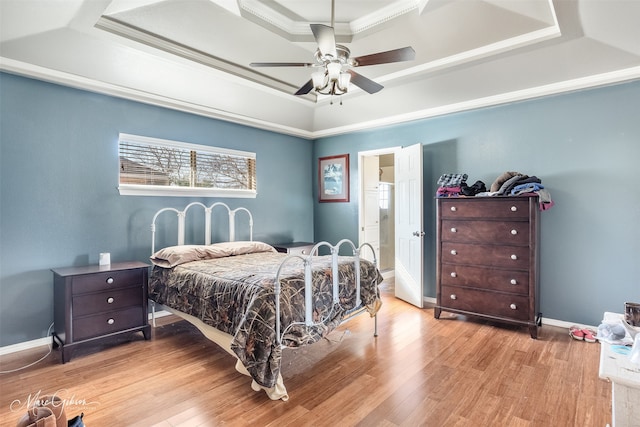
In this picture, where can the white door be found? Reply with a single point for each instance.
(409, 233)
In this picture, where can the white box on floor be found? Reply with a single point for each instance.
(624, 375)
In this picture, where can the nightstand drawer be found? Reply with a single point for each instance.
(106, 280)
(107, 301)
(96, 301)
(105, 323)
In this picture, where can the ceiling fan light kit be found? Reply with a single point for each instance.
(331, 81)
(337, 74)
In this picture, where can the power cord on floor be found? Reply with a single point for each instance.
(37, 361)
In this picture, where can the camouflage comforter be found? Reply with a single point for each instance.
(235, 294)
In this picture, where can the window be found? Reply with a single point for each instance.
(383, 192)
(150, 166)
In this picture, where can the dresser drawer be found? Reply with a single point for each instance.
(514, 281)
(106, 280)
(107, 301)
(504, 232)
(511, 257)
(105, 323)
(507, 208)
(509, 306)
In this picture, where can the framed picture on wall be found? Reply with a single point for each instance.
(333, 178)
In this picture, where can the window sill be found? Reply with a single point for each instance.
(144, 190)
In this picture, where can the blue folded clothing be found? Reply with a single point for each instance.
(529, 187)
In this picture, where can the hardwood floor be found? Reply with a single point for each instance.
(418, 371)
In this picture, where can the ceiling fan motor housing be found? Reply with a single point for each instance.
(342, 52)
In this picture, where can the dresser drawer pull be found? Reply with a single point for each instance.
(454, 274)
(514, 232)
(454, 230)
(514, 282)
(110, 280)
(453, 296)
(514, 257)
(110, 300)
(453, 209)
(513, 307)
(514, 208)
(111, 321)
(454, 252)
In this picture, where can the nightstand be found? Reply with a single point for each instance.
(94, 302)
(295, 248)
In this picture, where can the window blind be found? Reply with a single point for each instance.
(152, 164)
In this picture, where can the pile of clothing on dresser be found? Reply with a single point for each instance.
(507, 184)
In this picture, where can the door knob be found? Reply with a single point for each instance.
(418, 233)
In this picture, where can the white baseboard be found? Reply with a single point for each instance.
(545, 320)
(388, 274)
(14, 348)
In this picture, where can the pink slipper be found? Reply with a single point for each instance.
(589, 335)
(576, 333)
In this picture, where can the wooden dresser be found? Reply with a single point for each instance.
(95, 302)
(487, 258)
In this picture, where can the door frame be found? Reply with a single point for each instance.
(361, 156)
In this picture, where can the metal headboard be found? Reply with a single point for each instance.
(207, 222)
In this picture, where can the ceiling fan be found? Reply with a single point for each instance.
(336, 64)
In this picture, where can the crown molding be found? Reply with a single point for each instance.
(78, 82)
(66, 79)
(589, 82)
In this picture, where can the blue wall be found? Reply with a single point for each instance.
(59, 203)
(585, 146)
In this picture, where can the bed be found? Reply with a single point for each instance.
(254, 301)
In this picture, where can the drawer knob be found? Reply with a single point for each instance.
(304, 252)
(454, 274)
(111, 321)
(514, 256)
(453, 209)
(453, 296)
(514, 282)
(110, 280)
(454, 252)
(514, 232)
(454, 230)
(513, 307)
(110, 300)
(514, 208)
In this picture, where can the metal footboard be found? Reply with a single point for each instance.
(308, 295)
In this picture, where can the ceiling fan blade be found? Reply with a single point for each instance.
(364, 83)
(396, 55)
(305, 89)
(281, 64)
(326, 39)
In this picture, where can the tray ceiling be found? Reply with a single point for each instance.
(194, 55)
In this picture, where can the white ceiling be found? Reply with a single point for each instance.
(194, 55)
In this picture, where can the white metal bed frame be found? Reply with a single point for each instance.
(307, 261)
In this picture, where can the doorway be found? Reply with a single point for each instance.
(391, 216)
(377, 206)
